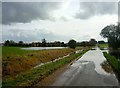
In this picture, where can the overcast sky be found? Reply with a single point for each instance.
(56, 21)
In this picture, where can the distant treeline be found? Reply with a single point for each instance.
(44, 43)
(35, 44)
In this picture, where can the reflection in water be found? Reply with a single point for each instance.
(97, 57)
(87, 71)
(42, 48)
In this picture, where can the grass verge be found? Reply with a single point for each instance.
(107, 67)
(115, 63)
(32, 76)
(15, 60)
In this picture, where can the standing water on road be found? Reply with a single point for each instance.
(87, 71)
(95, 56)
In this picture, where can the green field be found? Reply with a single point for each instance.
(7, 51)
(102, 46)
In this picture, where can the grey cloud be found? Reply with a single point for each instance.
(23, 12)
(28, 35)
(119, 12)
(64, 18)
(0, 12)
(90, 9)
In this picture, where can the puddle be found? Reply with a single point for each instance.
(95, 56)
(78, 51)
(77, 63)
(51, 61)
(84, 62)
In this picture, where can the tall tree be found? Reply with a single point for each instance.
(43, 42)
(93, 42)
(7, 43)
(112, 32)
(21, 43)
(72, 44)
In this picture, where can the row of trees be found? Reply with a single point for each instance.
(44, 43)
(72, 43)
(112, 33)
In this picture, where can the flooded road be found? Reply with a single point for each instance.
(87, 71)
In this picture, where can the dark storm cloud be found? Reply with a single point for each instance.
(23, 12)
(89, 9)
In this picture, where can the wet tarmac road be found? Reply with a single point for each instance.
(87, 71)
